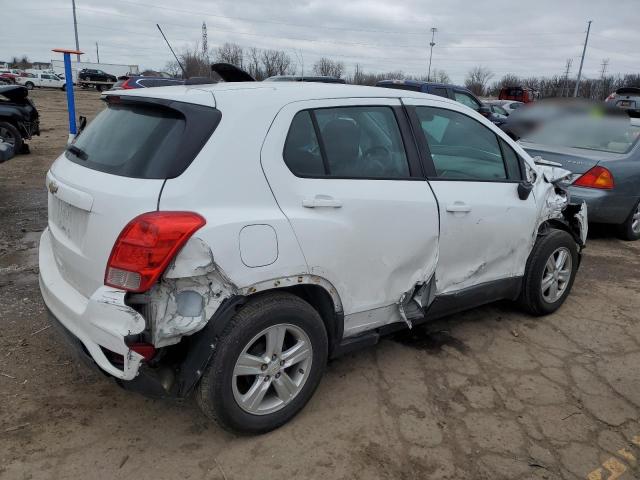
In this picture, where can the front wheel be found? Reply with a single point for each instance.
(550, 272)
(29, 85)
(630, 229)
(11, 135)
(266, 366)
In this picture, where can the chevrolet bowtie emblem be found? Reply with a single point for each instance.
(53, 187)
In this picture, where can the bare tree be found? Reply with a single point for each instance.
(440, 76)
(477, 79)
(230, 53)
(21, 63)
(275, 62)
(328, 68)
(253, 63)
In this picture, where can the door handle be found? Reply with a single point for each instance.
(458, 207)
(321, 201)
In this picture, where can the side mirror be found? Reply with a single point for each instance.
(484, 111)
(524, 189)
(82, 122)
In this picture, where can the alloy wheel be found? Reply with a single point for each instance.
(272, 369)
(556, 275)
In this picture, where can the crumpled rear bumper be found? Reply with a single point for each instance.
(99, 323)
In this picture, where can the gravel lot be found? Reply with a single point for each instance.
(489, 394)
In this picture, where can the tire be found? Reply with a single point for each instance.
(63, 88)
(535, 299)
(29, 85)
(221, 389)
(10, 134)
(630, 229)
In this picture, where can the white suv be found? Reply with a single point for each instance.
(231, 238)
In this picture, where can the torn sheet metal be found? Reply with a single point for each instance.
(191, 290)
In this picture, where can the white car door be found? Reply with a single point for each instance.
(346, 174)
(474, 171)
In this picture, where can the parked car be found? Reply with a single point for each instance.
(7, 77)
(229, 239)
(93, 75)
(128, 82)
(306, 78)
(504, 107)
(454, 92)
(627, 98)
(519, 94)
(42, 80)
(19, 119)
(603, 153)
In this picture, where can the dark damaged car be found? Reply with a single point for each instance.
(19, 119)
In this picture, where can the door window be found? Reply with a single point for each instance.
(461, 147)
(466, 99)
(346, 142)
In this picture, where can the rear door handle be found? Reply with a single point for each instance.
(321, 201)
(458, 207)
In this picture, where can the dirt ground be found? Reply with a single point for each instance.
(488, 394)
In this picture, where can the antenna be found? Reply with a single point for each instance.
(184, 74)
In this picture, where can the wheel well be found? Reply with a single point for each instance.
(557, 224)
(321, 301)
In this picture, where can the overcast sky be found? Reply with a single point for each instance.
(507, 36)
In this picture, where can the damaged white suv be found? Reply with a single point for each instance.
(228, 239)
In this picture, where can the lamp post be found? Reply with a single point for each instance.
(433, 36)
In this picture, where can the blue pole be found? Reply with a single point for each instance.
(71, 104)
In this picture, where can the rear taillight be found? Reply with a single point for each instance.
(147, 350)
(145, 247)
(597, 177)
(610, 97)
(126, 86)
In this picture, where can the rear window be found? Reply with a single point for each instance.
(144, 139)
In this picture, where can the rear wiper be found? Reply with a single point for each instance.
(78, 152)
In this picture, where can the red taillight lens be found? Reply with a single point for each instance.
(145, 247)
(597, 177)
(126, 86)
(147, 350)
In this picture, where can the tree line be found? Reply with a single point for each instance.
(264, 63)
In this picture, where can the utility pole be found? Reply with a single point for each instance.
(205, 48)
(97, 52)
(75, 27)
(566, 76)
(603, 72)
(433, 36)
(584, 50)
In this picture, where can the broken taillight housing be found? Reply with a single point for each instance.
(597, 177)
(145, 247)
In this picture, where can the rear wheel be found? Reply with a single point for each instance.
(630, 229)
(266, 366)
(11, 135)
(29, 85)
(550, 272)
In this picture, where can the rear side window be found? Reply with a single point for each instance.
(461, 147)
(159, 82)
(440, 91)
(346, 142)
(144, 140)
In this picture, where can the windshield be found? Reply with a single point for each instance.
(605, 134)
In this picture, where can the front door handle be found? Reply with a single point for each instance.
(458, 207)
(321, 201)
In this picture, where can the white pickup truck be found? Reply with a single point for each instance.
(48, 80)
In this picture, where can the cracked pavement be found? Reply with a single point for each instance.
(487, 394)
